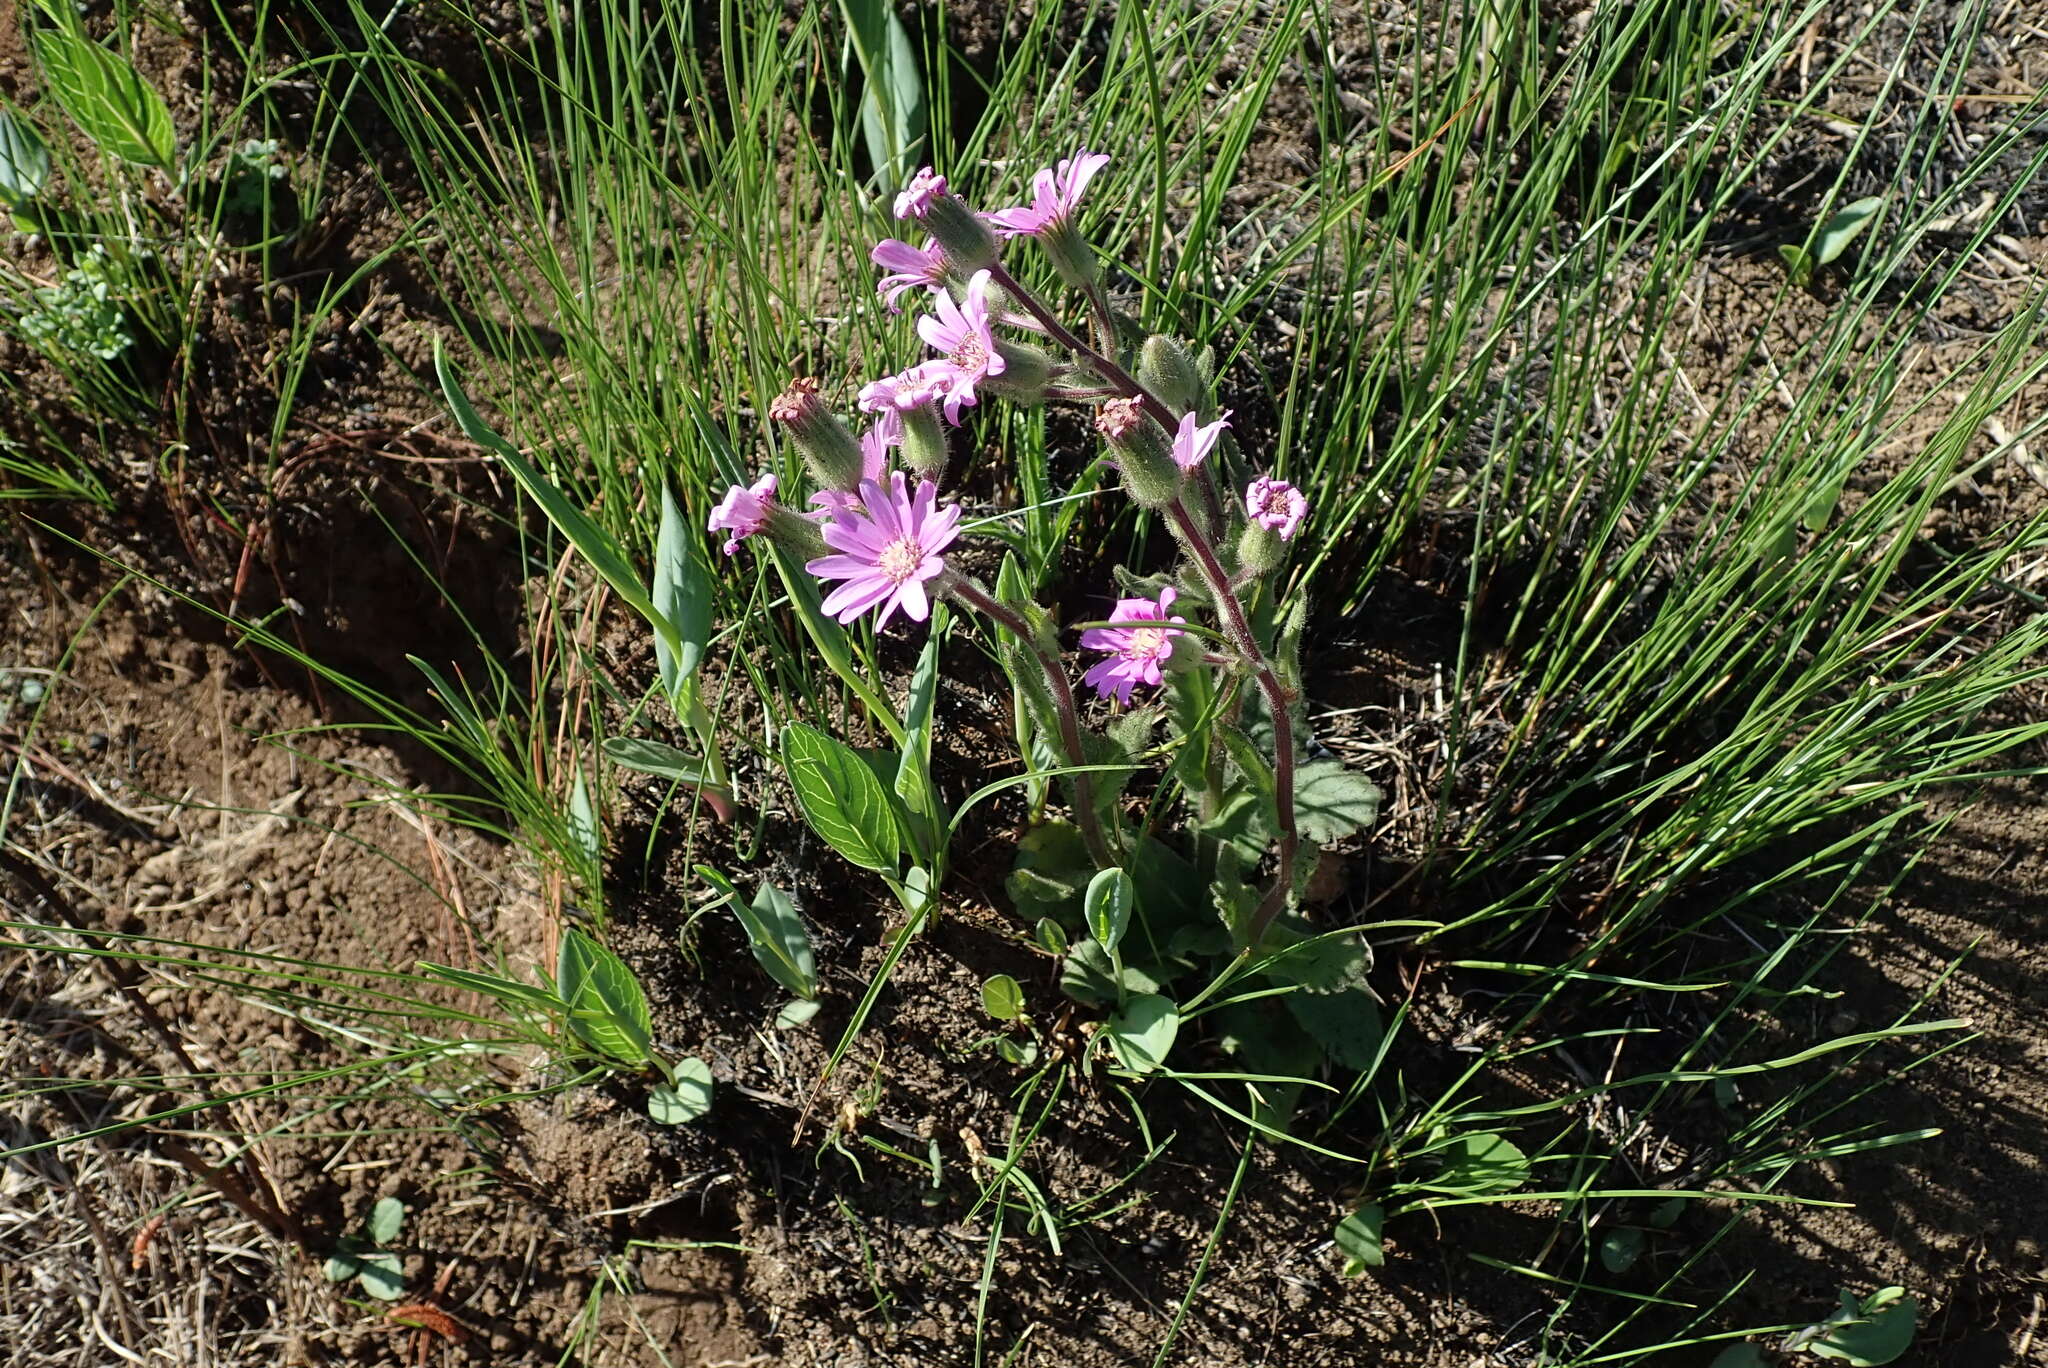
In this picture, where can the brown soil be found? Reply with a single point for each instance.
(179, 788)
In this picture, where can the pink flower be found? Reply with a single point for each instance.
(743, 512)
(1277, 505)
(1192, 444)
(885, 432)
(1137, 649)
(961, 332)
(888, 548)
(916, 197)
(1054, 194)
(909, 267)
(899, 393)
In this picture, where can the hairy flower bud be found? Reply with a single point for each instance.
(1069, 254)
(924, 442)
(1166, 368)
(960, 232)
(829, 447)
(1143, 452)
(1027, 370)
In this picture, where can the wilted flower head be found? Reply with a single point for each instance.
(1119, 418)
(744, 512)
(1055, 192)
(916, 198)
(1192, 444)
(909, 268)
(1276, 505)
(887, 548)
(961, 333)
(1138, 648)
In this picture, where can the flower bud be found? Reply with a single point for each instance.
(924, 442)
(966, 240)
(1166, 368)
(1027, 370)
(829, 447)
(1276, 509)
(1069, 254)
(1142, 450)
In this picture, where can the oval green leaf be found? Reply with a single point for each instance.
(1003, 997)
(1143, 1032)
(841, 798)
(1111, 896)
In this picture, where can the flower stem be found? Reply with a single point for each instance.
(1278, 704)
(1203, 551)
(1090, 822)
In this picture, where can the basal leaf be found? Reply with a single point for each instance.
(386, 1219)
(781, 943)
(660, 759)
(1358, 1235)
(607, 1009)
(24, 161)
(1143, 1032)
(107, 98)
(685, 1101)
(1108, 904)
(683, 593)
(1843, 228)
(1002, 997)
(1331, 801)
(1476, 1165)
(841, 798)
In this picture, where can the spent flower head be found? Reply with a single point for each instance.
(885, 550)
(1139, 645)
(1276, 506)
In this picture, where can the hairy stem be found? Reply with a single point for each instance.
(978, 598)
(1203, 552)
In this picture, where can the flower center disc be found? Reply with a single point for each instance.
(1146, 642)
(970, 356)
(899, 559)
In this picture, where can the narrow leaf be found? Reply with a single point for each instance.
(107, 98)
(683, 594)
(780, 941)
(24, 161)
(608, 1011)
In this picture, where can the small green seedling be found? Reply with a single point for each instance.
(364, 1257)
(1829, 241)
(1358, 1235)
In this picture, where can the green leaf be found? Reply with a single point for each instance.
(1842, 228)
(1331, 801)
(1358, 1235)
(346, 1260)
(892, 104)
(1143, 1032)
(1347, 1025)
(1107, 906)
(1740, 1356)
(1320, 964)
(683, 593)
(1798, 263)
(1050, 935)
(1476, 1165)
(595, 544)
(386, 1219)
(1086, 975)
(912, 779)
(796, 1014)
(662, 760)
(1877, 1331)
(841, 798)
(781, 943)
(583, 823)
(382, 1276)
(24, 161)
(688, 1099)
(1002, 997)
(107, 98)
(1619, 1249)
(607, 1009)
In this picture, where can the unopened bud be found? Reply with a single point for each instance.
(967, 242)
(1069, 254)
(924, 442)
(829, 447)
(1166, 368)
(1143, 453)
(1027, 370)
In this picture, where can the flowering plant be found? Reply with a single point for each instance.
(1215, 866)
